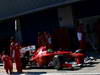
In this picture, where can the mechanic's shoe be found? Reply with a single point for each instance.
(79, 64)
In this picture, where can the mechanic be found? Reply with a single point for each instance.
(81, 36)
(7, 61)
(15, 53)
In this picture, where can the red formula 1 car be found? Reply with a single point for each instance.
(57, 59)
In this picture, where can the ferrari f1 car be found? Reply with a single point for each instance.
(59, 59)
(43, 57)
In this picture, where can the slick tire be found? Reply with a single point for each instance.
(56, 62)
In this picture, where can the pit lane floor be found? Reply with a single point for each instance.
(94, 69)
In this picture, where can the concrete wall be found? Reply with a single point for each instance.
(65, 16)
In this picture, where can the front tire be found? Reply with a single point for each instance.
(56, 62)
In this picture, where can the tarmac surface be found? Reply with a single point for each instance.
(87, 70)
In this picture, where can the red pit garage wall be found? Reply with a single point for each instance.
(65, 31)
